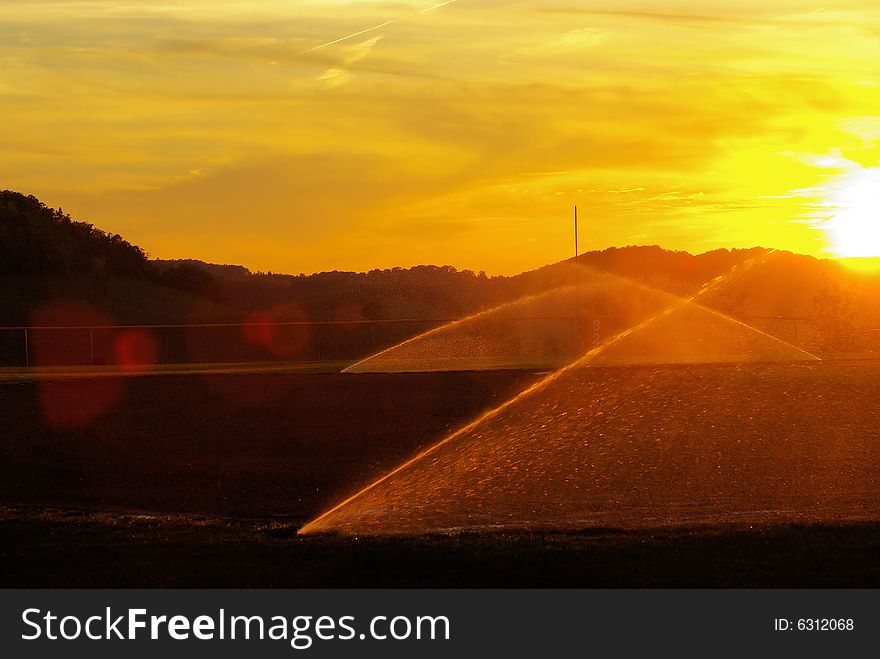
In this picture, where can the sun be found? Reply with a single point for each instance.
(854, 226)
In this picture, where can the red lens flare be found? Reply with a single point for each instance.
(136, 350)
(283, 331)
(62, 334)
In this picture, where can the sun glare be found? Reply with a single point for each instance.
(854, 226)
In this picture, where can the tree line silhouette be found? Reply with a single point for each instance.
(38, 240)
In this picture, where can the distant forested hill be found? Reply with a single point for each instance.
(44, 253)
(433, 292)
(47, 257)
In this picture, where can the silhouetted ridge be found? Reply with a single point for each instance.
(820, 305)
(37, 239)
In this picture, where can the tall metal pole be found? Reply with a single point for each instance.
(577, 285)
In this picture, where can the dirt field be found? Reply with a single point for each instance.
(649, 446)
(249, 445)
(71, 549)
(204, 479)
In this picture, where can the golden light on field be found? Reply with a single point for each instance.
(321, 134)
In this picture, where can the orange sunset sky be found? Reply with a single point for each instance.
(306, 135)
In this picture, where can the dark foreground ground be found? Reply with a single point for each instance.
(58, 549)
(203, 481)
(241, 444)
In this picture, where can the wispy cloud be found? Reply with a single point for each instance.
(358, 133)
(341, 74)
(663, 17)
(568, 43)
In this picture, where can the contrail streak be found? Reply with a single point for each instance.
(376, 27)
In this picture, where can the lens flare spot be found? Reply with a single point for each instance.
(283, 331)
(61, 335)
(136, 350)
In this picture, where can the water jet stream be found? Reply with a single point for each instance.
(353, 368)
(530, 333)
(316, 524)
(526, 332)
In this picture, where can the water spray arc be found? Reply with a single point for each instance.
(316, 524)
(354, 368)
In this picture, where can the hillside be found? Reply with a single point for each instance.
(67, 258)
(121, 300)
(47, 256)
(822, 305)
(37, 239)
(430, 292)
